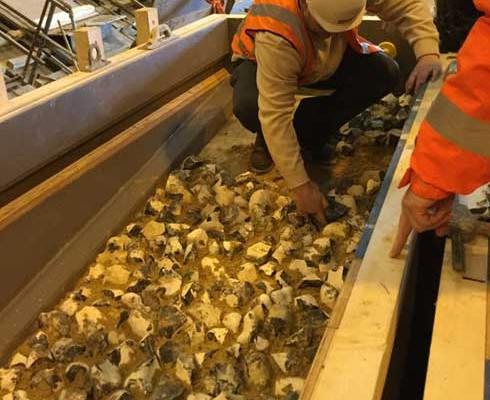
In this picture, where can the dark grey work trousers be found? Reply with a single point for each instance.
(360, 81)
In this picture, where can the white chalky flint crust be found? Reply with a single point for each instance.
(258, 252)
(229, 269)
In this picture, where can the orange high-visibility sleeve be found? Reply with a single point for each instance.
(452, 154)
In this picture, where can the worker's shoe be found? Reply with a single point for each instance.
(260, 159)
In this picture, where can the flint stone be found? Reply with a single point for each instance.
(18, 359)
(250, 326)
(95, 272)
(335, 210)
(222, 378)
(88, 319)
(368, 175)
(261, 344)
(283, 296)
(288, 385)
(248, 273)
(301, 266)
(232, 321)
(207, 313)
(282, 361)
(310, 281)
(356, 191)
(258, 369)
(171, 281)
(170, 321)
(269, 268)
(140, 325)
(116, 275)
(335, 278)
(372, 186)
(153, 229)
(119, 395)
(328, 295)
(199, 396)
(66, 349)
(349, 202)
(9, 378)
(218, 335)
(259, 252)
(306, 301)
(279, 320)
(344, 149)
(323, 245)
(185, 367)
(58, 320)
(338, 230)
(17, 395)
(141, 379)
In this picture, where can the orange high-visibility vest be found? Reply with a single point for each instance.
(452, 154)
(285, 18)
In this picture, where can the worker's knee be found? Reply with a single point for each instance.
(246, 109)
(393, 74)
(388, 73)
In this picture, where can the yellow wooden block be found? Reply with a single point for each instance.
(3, 91)
(89, 48)
(146, 24)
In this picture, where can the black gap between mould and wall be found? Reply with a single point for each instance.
(408, 365)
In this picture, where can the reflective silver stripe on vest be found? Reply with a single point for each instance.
(458, 127)
(365, 47)
(282, 15)
(240, 27)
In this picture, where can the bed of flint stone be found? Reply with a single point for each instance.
(218, 289)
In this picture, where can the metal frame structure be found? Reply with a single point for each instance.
(16, 18)
(39, 41)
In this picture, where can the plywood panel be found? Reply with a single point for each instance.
(457, 355)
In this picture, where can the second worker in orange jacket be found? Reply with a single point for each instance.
(452, 154)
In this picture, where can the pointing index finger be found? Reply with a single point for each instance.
(404, 230)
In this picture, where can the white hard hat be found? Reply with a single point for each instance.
(339, 15)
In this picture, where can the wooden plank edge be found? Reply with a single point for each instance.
(31, 199)
(332, 326)
(486, 394)
(456, 367)
(35, 178)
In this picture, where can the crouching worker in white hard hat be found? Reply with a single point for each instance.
(285, 44)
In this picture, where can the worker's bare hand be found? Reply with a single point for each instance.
(421, 215)
(309, 200)
(428, 67)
